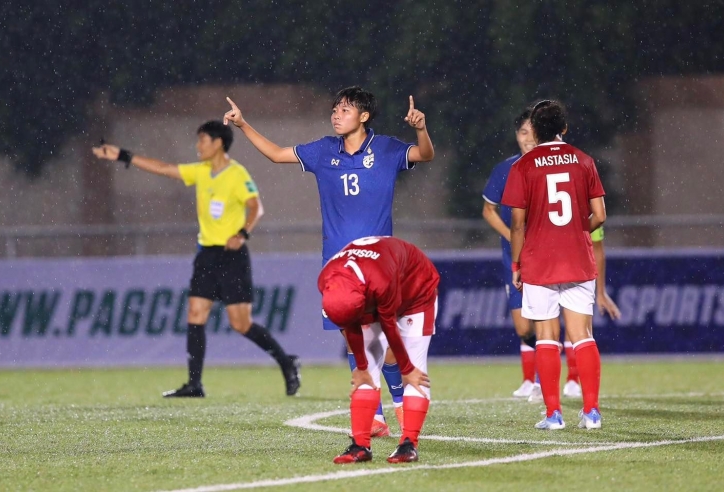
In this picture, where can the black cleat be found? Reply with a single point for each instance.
(292, 378)
(186, 391)
(354, 454)
(405, 453)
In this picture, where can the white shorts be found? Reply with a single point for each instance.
(542, 302)
(416, 344)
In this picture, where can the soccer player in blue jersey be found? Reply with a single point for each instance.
(499, 218)
(356, 172)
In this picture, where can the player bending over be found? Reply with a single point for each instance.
(383, 291)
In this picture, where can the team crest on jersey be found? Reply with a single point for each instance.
(335, 162)
(368, 160)
(409, 321)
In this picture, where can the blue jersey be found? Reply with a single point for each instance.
(355, 191)
(493, 193)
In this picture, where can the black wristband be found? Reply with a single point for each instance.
(244, 233)
(125, 156)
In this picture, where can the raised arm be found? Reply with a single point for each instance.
(273, 152)
(423, 151)
(492, 217)
(148, 164)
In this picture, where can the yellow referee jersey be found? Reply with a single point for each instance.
(220, 199)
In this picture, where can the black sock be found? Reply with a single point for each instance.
(529, 340)
(260, 336)
(196, 350)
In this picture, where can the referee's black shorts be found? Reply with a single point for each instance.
(222, 275)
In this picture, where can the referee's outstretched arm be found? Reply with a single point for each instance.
(114, 153)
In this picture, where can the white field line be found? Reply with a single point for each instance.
(308, 422)
(363, 472)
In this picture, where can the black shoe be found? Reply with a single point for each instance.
(292, 378)
(405, 453)
(354, 454)
(186, 391)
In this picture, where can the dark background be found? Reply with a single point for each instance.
(472, 66)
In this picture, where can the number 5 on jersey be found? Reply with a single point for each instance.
(555, 196)
(351, 186)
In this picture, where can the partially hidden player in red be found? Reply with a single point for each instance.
(383, 291)
(557, 200)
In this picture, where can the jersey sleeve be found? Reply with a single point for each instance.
(400, 151)
(515, 194)
(388, 301)
(597, 235)
(247, 188)
(355, 338)
(495, 186)
(189, 172)
(309, 154)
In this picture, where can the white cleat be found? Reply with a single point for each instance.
(590, 420)
(536, 395)
(554, 422)
(525, 389)
(572, 389)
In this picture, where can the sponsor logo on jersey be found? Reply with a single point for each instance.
(335, 162)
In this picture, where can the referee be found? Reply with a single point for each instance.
(228, 208)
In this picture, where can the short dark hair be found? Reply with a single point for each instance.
(522, 118)
(548, 119)
(361, 99)
(216, 129)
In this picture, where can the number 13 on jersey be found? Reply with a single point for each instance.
(351, 184)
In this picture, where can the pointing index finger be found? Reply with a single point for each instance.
(233, 104)
(412, 104)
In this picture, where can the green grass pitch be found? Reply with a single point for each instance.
(108, 429)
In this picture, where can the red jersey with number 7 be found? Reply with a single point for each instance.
(555, 182)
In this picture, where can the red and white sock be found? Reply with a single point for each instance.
(527, 362)
(362, 409)
(415, 408)
(548, 364)
(571, 362)
(589, 370)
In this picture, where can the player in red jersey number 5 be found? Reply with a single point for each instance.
(557, 200)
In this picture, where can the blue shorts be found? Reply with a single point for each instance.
(515, 297)
(329, 326)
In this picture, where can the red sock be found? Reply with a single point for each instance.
(548, 364)
(571, 362)
(589, 369)
(362, 410)
(527, 361)
(415, 408)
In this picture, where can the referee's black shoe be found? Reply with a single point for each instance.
(186, 391)
(292, 378)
